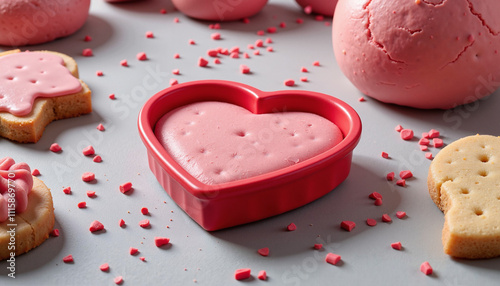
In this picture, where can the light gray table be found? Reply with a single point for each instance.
(197, 257)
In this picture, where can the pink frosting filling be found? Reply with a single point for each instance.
(29, 75)
(219, 142)
(16, 183)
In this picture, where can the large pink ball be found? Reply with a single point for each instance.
(30, 22)
(419, 53)
(324, 7)
(219, 10)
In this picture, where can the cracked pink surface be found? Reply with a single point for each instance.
(15, 179)
(28, 75)
(436, 54)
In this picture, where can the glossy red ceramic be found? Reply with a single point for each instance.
(229, 204)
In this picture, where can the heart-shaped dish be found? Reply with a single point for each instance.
(233, 203)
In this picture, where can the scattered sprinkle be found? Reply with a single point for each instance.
(96, 226)
(428, 155)
(35, 172)
(88, 177)
(141, 56)
(54, 232)
(118, 280)
(316, 63)
(67, 190)
(264, 251)
(396, 245)
(385, 155)
(104, 267)
(398, 128)
(125, 187)
(291, 227)
(112, 96)
(55, 148)
(244, 69)
(87, 38)
(406, 174)
(149, 35)
(68, 259)
(97, 159)
(426, 268)
(160, 241)
(401, 183)
(371, 222)
(124, 63)
(91, 194)
(386, 218)
(406, 134)
(332, 258)
(121, 223)
(289, 82)
(144, 223)
(378, 202)
(87, 53)
(348, 225)
(82, 205)
(99, 73)
(390, 176)
(89, 150)
(144, 211)
(241, 274)
(100, 127)
(202, 62)
(400, 214)
(375, 195)
(262, 275)
(437, 142)
(215, 36)
(133, 251)
(318, 246)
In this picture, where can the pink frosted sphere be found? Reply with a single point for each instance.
(219, 10)
(419, 53)
(323, 7)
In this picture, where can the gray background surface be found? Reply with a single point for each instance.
(199, 257)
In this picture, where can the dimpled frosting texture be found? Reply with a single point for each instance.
(419, 53)
(26, 76)
(14, 178)
(30, 22)
(219, 142)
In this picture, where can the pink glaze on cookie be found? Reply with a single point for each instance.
(219, 142)
(28, 75)
(16, 183)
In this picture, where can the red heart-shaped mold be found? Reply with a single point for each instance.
(233, 203)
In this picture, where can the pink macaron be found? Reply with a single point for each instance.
(219, 10)
(30, 22)
(423, 54)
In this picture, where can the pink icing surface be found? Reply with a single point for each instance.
(28, 75)
(14, 179)
(425, 54)
(219, 142)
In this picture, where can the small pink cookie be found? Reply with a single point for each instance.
(219, 10)
(423, 54)
(323, 7)
(207, 141)
(30, 22)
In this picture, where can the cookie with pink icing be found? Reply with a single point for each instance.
(207, 141)
(30, 22)
(323, 7)
(37, 88)
(219, 10)
(26, 209)
(419, 53)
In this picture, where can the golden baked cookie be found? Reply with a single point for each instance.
(29, 128)
(31, 227)
(464, 182)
